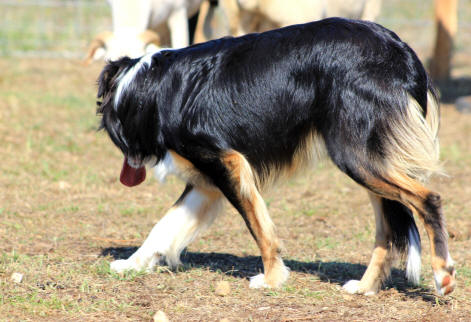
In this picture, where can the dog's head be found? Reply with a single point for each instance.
(128, 109)
(113, 118)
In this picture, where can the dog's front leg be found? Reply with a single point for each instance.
(242, 192)
(194, 211)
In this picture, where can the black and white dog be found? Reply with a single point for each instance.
(233, 115)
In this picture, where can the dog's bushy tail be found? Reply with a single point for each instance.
(415, 152)
(405, 236)
(413, 145)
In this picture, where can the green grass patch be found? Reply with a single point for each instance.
(326, 243)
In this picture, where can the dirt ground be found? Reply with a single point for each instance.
(64, 216)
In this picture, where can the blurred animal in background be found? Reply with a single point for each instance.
(446, 21)
(142, 26)
(446, 24)
(259, 15)
(246, 16)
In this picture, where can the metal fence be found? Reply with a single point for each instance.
(46, 28)
(64, 28)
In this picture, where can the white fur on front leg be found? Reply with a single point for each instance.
(282, 273)
(354, 287)
(122, 265)
(173, 232)
(135, 263)
(258, 281)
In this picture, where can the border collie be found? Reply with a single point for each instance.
(232, 116)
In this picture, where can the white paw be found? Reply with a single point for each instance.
(135, 263)
(444, 281)
(121, 265)
(258, 281)
(370, 293)
(352, 286)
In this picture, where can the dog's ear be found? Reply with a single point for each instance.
(106, 78)
(110, 73)
(107, 81)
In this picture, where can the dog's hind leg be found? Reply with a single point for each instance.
(241, 190)
(194, 211)
(426, 205)
(396, 232)
(380, 264)
(394, 153)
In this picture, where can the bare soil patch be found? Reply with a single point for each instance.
(64, 216)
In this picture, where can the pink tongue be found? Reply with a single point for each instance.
(130, 176)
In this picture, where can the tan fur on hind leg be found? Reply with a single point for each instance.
(380, 264)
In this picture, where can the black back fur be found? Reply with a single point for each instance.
(262, 94)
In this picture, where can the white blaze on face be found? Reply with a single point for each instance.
(129, 75)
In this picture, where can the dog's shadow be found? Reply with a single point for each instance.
(454, 88)
(247, 266)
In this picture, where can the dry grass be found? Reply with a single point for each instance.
(64, 216)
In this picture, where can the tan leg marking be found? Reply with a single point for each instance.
(415, 196)
(380, 264)
(257, 219)
(188, 172)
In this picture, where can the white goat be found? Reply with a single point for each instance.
(136, 24)
(239, 17)
(259, 15)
